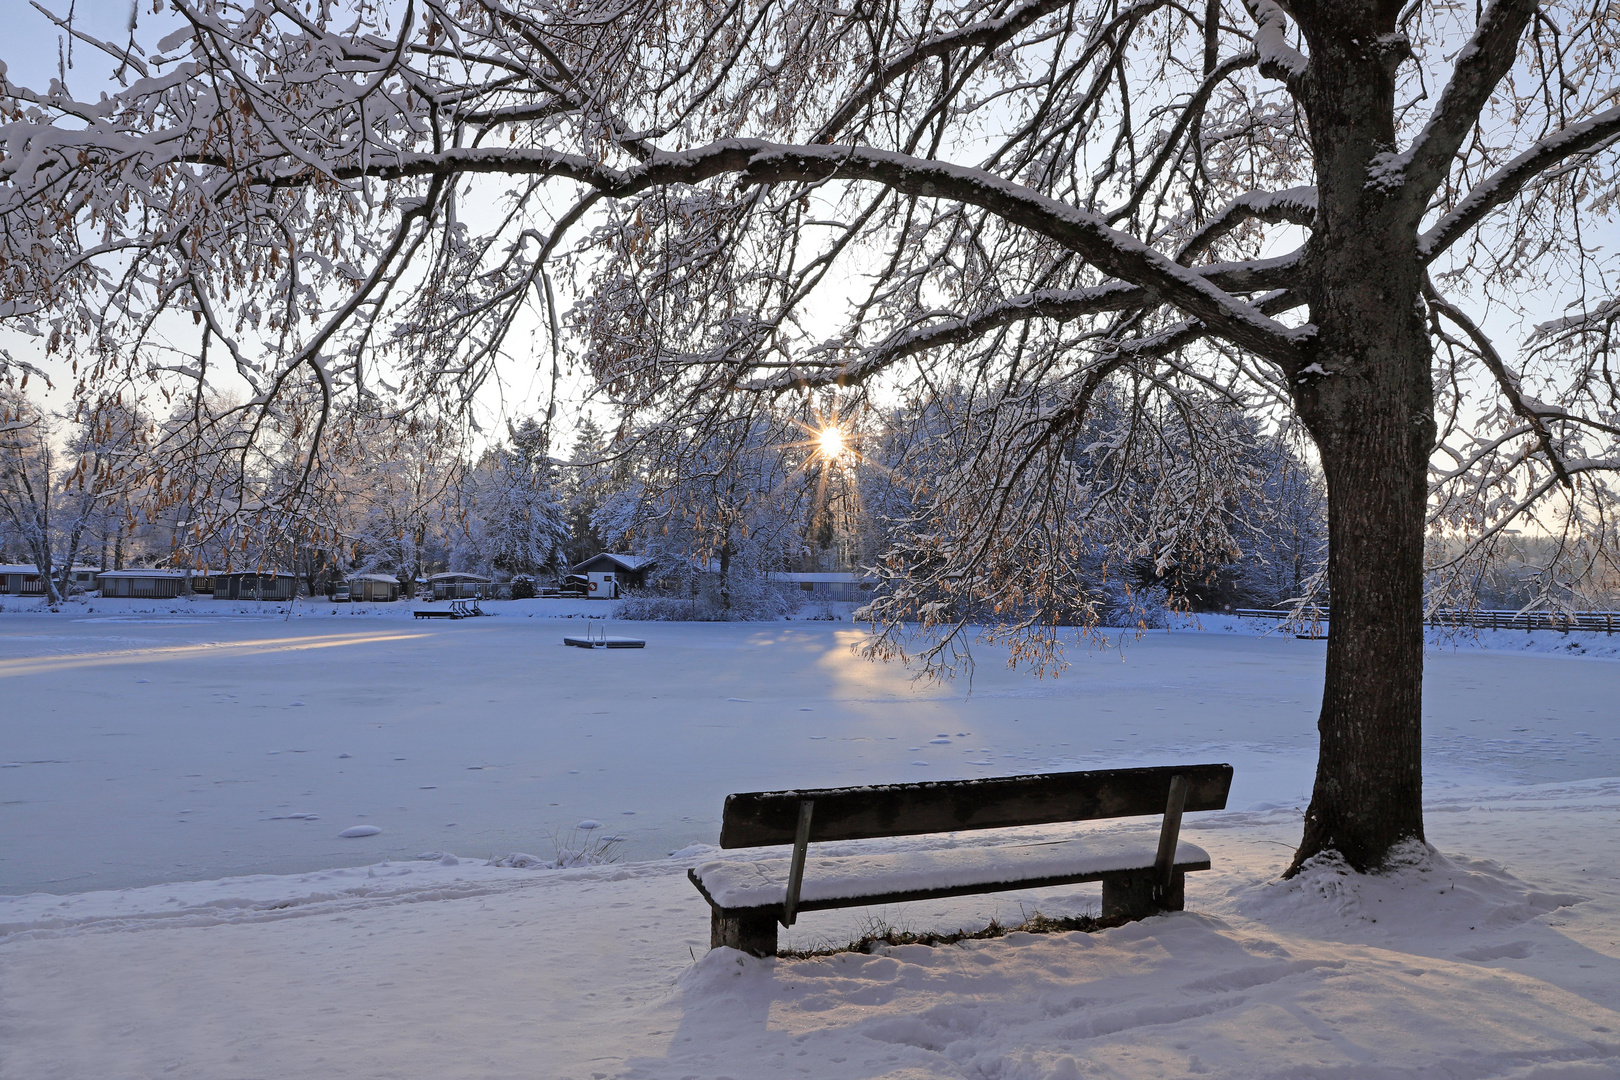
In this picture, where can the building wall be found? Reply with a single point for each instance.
(255, 587)
(142, 588)
(374, 591)
(21, 585)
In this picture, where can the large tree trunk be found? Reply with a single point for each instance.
(1369, 781)
(1369, 405)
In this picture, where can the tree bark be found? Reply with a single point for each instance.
(1369, 782)
(1368, 402)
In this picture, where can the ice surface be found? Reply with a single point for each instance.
(492, 724)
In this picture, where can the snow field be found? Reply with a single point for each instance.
(146, 749)
(1455, 967)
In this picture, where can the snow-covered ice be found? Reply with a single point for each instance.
(147, 938)
(488, 736)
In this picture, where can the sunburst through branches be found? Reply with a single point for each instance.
(832, 456)
(830, 443)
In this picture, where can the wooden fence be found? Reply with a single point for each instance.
(1605, 621)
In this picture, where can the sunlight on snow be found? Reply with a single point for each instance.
(39, 665)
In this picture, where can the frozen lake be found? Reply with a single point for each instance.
(145, 748)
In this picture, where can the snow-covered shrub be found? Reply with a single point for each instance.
(746, 598)
(1147, 609)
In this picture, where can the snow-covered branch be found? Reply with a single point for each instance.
(1296, 206)
(1476, 72)
(1505, 183)
(1506, 381)
(1278, 59)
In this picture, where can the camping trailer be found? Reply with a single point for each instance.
(142, 584)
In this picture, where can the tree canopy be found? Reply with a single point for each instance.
(1292, 208)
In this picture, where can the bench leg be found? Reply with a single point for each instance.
(1136, 896)
(1175, 897)
(753, 933)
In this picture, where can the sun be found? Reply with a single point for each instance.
(830, 442)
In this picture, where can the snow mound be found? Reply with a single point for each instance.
(1180, 995)
(1422, 892)
(354, 832)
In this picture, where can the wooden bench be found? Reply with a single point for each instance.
(1140, 877)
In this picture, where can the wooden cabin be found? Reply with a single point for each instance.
(611, 574)
(846, 588)
(373, 588)
(255, 585)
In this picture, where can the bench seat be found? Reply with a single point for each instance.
(889, 878)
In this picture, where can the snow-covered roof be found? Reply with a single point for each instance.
(630, 563)
(389, 578)
(144, 572)
(452, 576)
(30, 568)
(255, 573)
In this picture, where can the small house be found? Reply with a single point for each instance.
(255, 585)
(373, 588)
(611, 574)
(458, 586)
(144, 584)
(23, 580)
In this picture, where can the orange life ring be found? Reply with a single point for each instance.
(593, 586)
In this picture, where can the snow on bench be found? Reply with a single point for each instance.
(749, 898)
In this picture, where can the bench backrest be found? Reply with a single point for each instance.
(754, 819)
